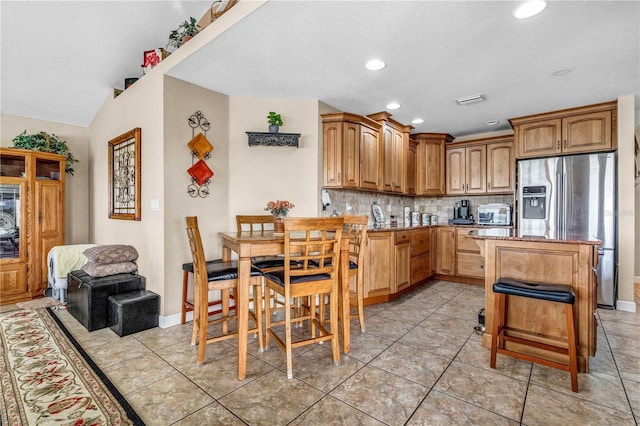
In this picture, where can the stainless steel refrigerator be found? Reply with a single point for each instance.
(575, 193)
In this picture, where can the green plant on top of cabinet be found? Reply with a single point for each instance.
(350, 151)
(590, 128)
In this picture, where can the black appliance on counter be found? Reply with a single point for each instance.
(461, 214)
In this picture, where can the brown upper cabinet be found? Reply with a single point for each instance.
(351, 151)
(411, 184)
(481, 166)
(431, 162)
(586, 129)
(394, 146)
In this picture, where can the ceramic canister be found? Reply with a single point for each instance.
(434, 219)
(415, 218)
(406, 215)
(426, 219)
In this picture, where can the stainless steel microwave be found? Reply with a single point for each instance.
(494, 214)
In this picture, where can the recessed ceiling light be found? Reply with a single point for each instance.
(529, 8)
(561, 72)
(393, 105)
(375, 65)
(491, 123)
(471, 99)
(417, 121)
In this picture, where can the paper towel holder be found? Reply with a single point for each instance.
(326, 199)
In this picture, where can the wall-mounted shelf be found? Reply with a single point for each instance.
(273, 139)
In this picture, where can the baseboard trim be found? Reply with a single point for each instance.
(171, 320)
(623, 305)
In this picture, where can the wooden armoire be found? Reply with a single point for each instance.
(31, 220)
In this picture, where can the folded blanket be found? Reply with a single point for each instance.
(66, 259)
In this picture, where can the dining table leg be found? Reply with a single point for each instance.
(242, 301)
(344, 295)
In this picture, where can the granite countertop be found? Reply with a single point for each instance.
(548, 236)
(403, 227)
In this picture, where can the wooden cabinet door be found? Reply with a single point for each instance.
(379, 273)
(369, 158)
(501, 168)
(445, 251)
(476, 169)
(411, 182)
(388, 158)
(332, 154)
(393, 153)
(470, 265)
(49, 227)
(431, 167)
(469, 262)
(403, 267)
(587, 132)
(350, 165)
(456, 169)
(400, 147)
(341, 155)
(539, 138)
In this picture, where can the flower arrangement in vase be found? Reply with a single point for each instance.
(279, 209)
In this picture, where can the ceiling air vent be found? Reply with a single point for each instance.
(471, 99)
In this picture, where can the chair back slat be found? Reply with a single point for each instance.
(355, 227)
(199, 263)
(314, 243)
(254, 223)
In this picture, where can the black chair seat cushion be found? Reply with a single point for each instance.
(327, 262)
(217, 270)
(264, 262)
(543, 291)
(278, 277)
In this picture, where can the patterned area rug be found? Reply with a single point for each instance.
(47, 378)
(44, 302)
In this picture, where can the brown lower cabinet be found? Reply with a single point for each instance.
(396, 260)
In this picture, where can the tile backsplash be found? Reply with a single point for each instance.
(359, 203)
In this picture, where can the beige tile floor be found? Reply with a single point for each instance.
(419, 363)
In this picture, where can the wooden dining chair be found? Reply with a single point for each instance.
(355, 229)
(260, 224)
(221, 276)
(312, 242)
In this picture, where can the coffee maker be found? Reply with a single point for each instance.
(462, 213)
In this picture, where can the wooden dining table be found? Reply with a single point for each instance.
(265, 243)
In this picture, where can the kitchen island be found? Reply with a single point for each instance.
(555, 258)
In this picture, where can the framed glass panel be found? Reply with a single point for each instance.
(10, 214)
(125, 176)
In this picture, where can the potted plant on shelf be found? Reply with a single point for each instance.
(185, 31)
(279, 209)
(46, 142)
(275, 121)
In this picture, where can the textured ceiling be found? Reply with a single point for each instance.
(436, 52)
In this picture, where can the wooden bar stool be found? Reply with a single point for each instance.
(187, 305)
(558, 293)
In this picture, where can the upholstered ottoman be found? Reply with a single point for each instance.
(88, 296)
(133, 312)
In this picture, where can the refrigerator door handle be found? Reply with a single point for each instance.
(559, 206)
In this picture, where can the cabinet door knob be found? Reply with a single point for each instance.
(565, 144)
(558, 145)
(338, 176)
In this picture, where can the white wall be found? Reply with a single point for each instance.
(76, 186)
(141, 105)
(181, 101)
(627, 213)
(263, 173)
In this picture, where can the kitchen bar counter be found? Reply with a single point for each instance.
(403, 227)
(551, 258)
(549, 236)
